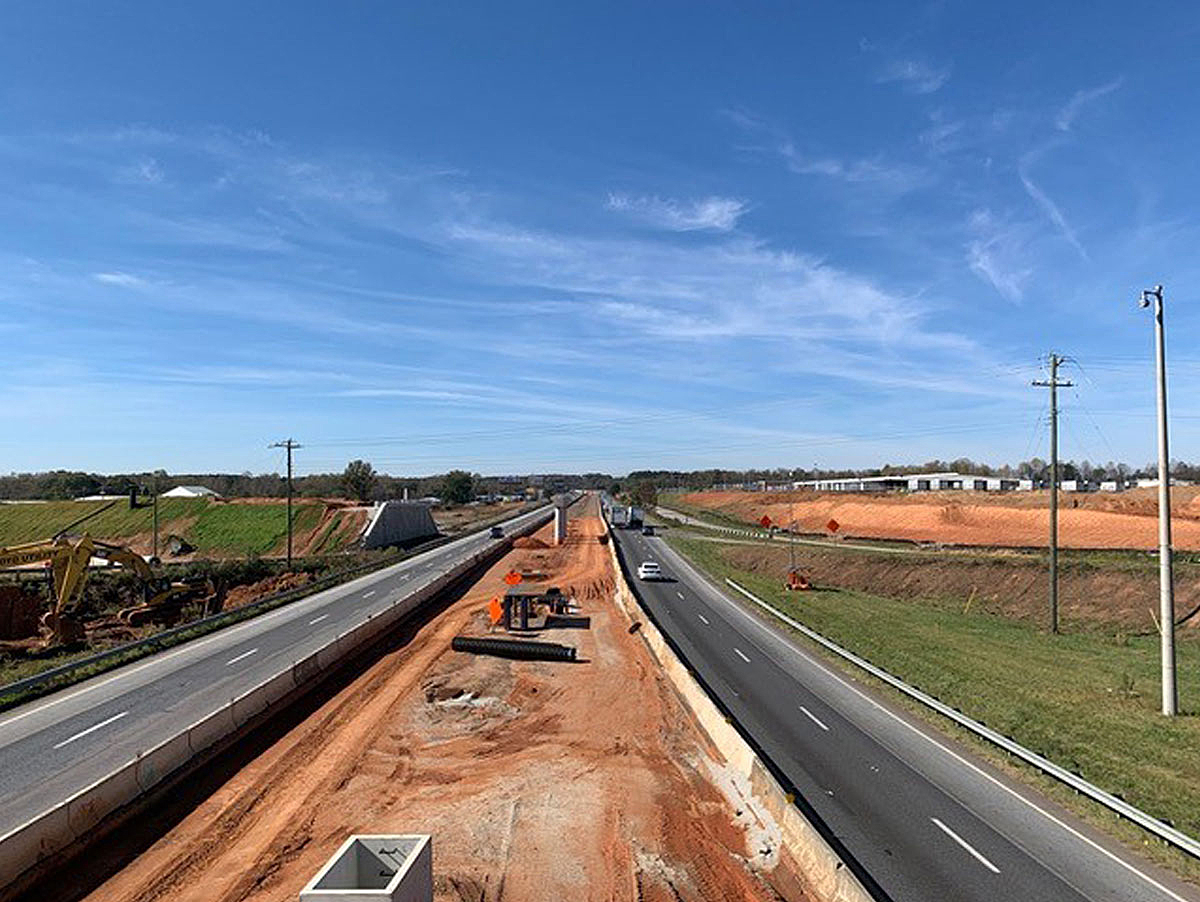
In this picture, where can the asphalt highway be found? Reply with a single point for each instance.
(54, 747)
(925, 817)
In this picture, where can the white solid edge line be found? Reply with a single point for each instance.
(959, 758)
(123, 672)
(317, 619)
(814, 718)
(91, 729)
(738, 652)
(242, 656)
(966, 845)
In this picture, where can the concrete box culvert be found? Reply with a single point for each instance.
(376, 868)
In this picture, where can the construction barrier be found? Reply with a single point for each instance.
(72, 822)
(163, 760)
(827, 873)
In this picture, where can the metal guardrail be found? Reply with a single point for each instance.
(1163, 831)
(23, 690)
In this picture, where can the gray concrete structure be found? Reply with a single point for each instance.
(560, 525)
(376, 868)
(398, 522)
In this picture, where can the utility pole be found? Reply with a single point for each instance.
(154, 488)
(291, 446)
(1166, 590)
(1054, 385)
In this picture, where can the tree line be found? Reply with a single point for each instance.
(359, 480)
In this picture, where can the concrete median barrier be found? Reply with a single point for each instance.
(36, 841)
(162, 761)
(306, 669)
(259, 699)
(208, 731)
(828, 875)
(88, 808)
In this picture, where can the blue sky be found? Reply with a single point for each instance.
(543, 236)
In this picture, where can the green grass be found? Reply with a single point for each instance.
(226, 528)
(1089, 702)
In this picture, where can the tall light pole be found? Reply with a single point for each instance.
(1166, 589)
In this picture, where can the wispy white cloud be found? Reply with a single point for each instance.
(719, 214)
(146, 171)
(915, 76)
(124, 279)
(876, 172)
(1048, 206)
(1068, 114)
(897, 177)
(996, 253)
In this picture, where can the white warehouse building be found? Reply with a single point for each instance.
(918, 482)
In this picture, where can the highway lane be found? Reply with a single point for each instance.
(55, 746)
(925, 818)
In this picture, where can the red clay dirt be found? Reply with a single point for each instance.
(537, 780)
(1124, 520)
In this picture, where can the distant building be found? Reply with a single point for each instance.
(190, 491)
(917, 482)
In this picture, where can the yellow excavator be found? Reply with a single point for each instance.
(69, 558)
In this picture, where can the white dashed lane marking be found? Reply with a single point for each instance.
(814, 718)
(91, 729)
(242, 656)
(962, 842)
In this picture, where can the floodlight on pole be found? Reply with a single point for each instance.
(1166, 589)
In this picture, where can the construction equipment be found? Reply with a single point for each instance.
(797, 581)
(69, 558)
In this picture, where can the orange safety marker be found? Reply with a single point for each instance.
(512, 577)
(495, 611)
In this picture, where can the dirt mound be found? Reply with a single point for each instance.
(19, 612)
(244, 595)
(529, 542)
(970, 518)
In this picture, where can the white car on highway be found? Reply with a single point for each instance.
(649, 570)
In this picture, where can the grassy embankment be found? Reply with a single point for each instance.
(1087, 700)
(222, 528)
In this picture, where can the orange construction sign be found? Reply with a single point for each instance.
(833, 525)
(495, 611)
(512, 577)
(765, 521)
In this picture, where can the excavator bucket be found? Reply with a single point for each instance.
(61, 629)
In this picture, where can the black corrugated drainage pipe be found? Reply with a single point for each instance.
(514, 648)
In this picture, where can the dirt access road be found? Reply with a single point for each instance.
(1017, 519)
(537, 780)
